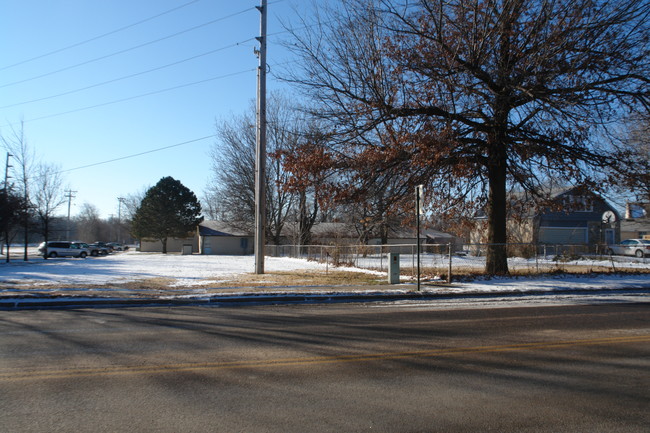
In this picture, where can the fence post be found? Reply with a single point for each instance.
(450, 255)
(413, 260)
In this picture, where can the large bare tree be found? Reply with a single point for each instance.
(230, 195)
(48, 196)
(632, 176)
(486, 94)
(23, 163)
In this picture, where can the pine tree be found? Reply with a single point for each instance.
(169, 209)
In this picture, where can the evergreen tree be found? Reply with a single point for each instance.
(169, 209)
(12, 211)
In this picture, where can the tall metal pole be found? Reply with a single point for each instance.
(260, 160)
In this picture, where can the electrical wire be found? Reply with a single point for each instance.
(103, 35)
(138, 154)
(142, 95)
(103, 83)
(67, 68)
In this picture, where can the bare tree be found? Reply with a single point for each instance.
(24, 161)
(132, 201)
(633, 172)
(487, 93)
(230, 194)
(90, 226)
(48, 196)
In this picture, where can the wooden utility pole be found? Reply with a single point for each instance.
(120, 201)
(6, 194)
(260, 163)
(69, 194)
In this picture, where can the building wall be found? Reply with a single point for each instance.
(174, 245)
(635, 228)
(580, 226)
(227, 245)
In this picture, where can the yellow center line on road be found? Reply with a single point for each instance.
(42, 374)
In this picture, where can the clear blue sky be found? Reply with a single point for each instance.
(51, 50)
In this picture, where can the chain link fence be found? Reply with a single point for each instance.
(446, 261)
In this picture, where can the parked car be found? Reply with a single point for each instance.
(101, 249)
(631, 247)
(63, 249)
(118, 246)
(104, 245)
(93, 250)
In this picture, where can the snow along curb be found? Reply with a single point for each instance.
(269, 298)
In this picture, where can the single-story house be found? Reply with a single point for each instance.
(217, 237)
(577, 217)
(174, 245)
(221, 238)
(337, 233)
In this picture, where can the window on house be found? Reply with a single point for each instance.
(581, 203)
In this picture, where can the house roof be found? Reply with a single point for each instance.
(554, 195)
(220, 228)
(322, 230)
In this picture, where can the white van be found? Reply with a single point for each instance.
(62, 249)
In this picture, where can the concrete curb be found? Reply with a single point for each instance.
(37, 303)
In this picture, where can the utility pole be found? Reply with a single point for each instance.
(6, 191)
(7, 167)
(119, 217)
(260, 157)
(69, 194)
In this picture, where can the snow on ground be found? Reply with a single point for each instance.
(195, 273)
(133, 266)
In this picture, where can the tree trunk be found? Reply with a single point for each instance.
(26, 240)
(307, 219)
(164, 245)
(46, 233)
(497, 258)
(8, 247)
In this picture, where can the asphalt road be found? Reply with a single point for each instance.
(328, 368)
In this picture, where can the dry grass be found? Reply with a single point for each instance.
(301, 278)
(281, 281)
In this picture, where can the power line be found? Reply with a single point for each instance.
(67, 68)
(155, 92)
(112, 32)
(138, 74)
(138, 154)
(103, 83)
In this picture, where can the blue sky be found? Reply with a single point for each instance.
(64, 69)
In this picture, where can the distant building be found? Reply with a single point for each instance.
(576, 218)
(636, 224)
(217, 237)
